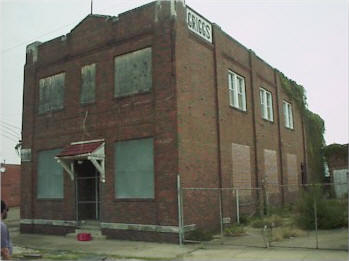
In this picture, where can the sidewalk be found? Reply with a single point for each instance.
(117, 249)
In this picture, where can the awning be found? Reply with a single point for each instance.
(92, 150)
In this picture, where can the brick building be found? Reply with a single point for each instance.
(336, 156)
(117, 108)
(11, 184)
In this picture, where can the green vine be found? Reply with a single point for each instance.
(314, 127)
(336, 150)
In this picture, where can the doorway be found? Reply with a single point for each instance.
(86, 191)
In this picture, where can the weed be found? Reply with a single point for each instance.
(271, 221)
(234, 230)
(200, 235)
(286, 232)
(331, 213)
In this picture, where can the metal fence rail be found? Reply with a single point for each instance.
(231, 206)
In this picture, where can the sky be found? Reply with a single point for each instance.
(307, 40)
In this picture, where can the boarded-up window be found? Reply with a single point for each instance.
(50, 175)
(271, 171)
(133, 73)
(51, 93)
(241, 169)
(134, 170)
(292, 173)
(88, 83)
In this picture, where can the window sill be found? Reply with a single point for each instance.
(269, 121)
(125, 96)
(50, 199)
(134, 199)
(238, 109)
(290, 129)
(84, 104)
(48, 112)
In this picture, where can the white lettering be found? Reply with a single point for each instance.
(199, 25)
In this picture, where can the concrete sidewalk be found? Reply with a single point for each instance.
(117, 249)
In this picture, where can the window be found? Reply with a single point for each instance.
(237, 94)
(133, 73)
(134, 170)
(266, 104)
(50, 176)
(287, 108)
(51, 93)
(88, 82)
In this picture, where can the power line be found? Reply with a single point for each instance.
(12, 139)
(9, 129)
(11, 134)
(10, 125)
(59, 28)
(36, 38)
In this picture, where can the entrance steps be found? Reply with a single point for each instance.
(88, 226)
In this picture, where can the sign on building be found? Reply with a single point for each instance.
(26, 154)
(199, 25)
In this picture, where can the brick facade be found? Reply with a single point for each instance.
(196, 133)
(11, 184)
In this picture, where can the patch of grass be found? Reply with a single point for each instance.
(200, 235)
(281, 233)
(234, 230)
(271, 221)
(331, 213)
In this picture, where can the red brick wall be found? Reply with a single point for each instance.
(197, 122)
(98, 40)
(10, 184)
(190, 92)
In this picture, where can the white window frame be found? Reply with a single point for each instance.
(288, 114)
(237, 89)
(266, 100)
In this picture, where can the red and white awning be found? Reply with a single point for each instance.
(92, 150)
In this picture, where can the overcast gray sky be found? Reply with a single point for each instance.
(305, 39)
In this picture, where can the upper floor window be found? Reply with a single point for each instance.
(237, 94)
(287, 108)
(88, 84)
(133, 72)
(51, 93)
(266, 104)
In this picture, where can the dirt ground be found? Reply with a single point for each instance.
(332, 244)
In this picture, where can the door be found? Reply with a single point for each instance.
(86, 191)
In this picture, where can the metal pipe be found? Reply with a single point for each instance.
(237, 206)
(220, 211)
(180, 224)
(316, 231)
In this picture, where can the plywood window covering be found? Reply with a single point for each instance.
(134, 169)
(51, 93)
(50, 176)
(88, 84)
(133, 73)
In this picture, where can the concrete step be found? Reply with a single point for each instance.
(92, 228)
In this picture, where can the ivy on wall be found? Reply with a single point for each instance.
(314, 129)
(337, 150)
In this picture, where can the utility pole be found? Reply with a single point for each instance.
(91, 6)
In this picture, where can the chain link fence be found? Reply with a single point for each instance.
(304, 216)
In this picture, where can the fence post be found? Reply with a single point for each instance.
(315, 216)
(180, 214)
(237, 206)
(220, 211)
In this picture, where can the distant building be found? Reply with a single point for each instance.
(11, 184)
(337, 161)
(117, 108)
